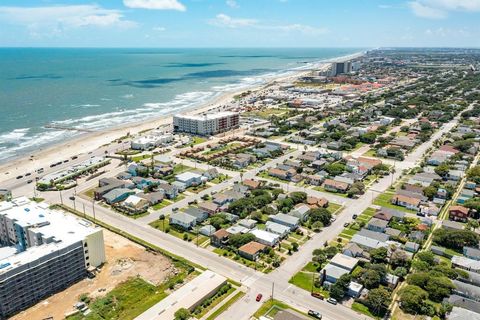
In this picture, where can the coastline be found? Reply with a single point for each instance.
(88, 142)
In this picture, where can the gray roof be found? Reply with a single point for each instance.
(393, 232)
(462, 302)
(285, 218)
(471, 252)
(458, 313)
(378, 223)
(115, 193)
(276, 227)
(367, 242)
(183, 217)
(196, 212)
(412, 245)
(374, 235)
(466, 289)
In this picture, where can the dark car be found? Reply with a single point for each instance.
(29, 181)
(259, 297)
(346, 224)
(71, 198)
(65, 161)
(28, 174)
(53, 165)
(315, 314)
(354, 216)
(74, 157)
(19, 177)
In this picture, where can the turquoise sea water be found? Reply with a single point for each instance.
(100, 88)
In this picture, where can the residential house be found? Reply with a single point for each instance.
(199, 214)
(466, 263)
(373, 234)
(181, 187)
(286, 220)
(277, 228)
(300, 211)
(455, 175)
(354, 289)
(219, 238)
(152, 197)
(458, 213)
(170, 191)
(211, 174)
(472, 253)
(189, 178)
(251, 250)
(182, 220)
(135, 204)
(207, 230)
(247, 223)
(252, 184)
(209, 206)
(405, 201)
(117, 195)
(265, 237)
(315, 179)
(367, 243)
(355, 251)
(279, 173)
(377, 225)
(335, 186)
(412, 246)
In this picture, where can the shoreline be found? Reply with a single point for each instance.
(88, 142)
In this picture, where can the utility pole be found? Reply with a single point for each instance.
(93, 207)
(273, 289)
(84, 214)
(61, 198)
(74, 204)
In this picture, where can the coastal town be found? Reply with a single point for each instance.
(346, 191)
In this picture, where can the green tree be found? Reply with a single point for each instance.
(442, 169)
(317, 226)
(455, 239)
(340, 287)
(320, 214)
(335, 169)
(370, 279)
(298, 197)
(182, 314)
(430, 192)
(378, 300)
(439, 288)
(412, 299)
(379, 255)
(238, 240)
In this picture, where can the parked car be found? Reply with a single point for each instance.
(29, 181)
(332, 301)
(315, 314)
(354, 216)
(74, 157)
(346, 224)
(259, 297)
(28, 174)
(318, 295)
(71, 198)
(19, 177)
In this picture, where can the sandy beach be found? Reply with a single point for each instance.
(91, 141)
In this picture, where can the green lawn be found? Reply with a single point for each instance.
(333, 208)
(384, 201)
(126, 301)
(198, 140)
(362, 309)
(177, 232)
(179, 168)
(272, 303)
(304, 280)
(226, 305)
(204, 308)
(370, 153)
(221, 177)
(311, 267)
(162, 204)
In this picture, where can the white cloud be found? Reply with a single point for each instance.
(232, 4)
(439, 9)
(159, 29)
(58, 18)
(222, 20)
(155, 4)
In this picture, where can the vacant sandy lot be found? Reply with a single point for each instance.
(124, 259)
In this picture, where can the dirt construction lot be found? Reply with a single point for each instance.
(124, 259)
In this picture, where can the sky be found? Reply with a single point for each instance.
(240, 23)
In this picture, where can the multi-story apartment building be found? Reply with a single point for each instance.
(43, 251)
(208, 124)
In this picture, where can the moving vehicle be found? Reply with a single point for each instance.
(74, 157)
(28, 174)
(71, 198)
(315, 314)
(332, 301)
(19, 177)
(259, 297)
(29, 181)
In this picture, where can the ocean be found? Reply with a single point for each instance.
(95, 89)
